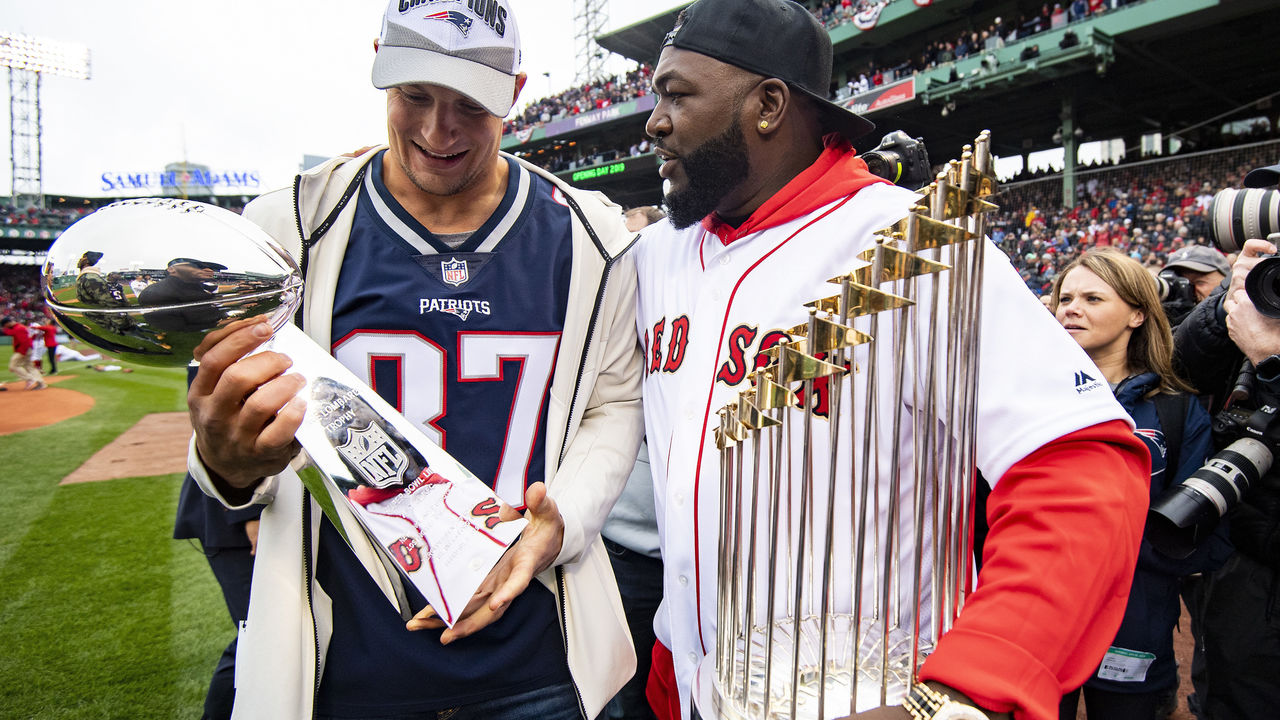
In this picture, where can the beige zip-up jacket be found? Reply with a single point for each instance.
(594, 426)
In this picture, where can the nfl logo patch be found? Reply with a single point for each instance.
(379, 460)
(454, 271)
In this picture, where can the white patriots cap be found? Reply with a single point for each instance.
(469, 46)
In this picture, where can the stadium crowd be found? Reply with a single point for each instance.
(20, 294)
(582, 99)
(41, 217)
(1147, 210)
(981, 35)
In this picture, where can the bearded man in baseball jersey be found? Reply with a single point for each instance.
(766, 201)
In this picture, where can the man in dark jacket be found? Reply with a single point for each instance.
(1223, 340)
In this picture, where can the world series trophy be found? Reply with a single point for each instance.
(846, 535)
(146, 280)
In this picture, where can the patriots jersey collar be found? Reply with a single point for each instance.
(506, 216)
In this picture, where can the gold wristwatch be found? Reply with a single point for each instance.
(925, 703)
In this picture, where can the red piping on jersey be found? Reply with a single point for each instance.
(837, 174)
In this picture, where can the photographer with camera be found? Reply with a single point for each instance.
(1229, 347)
(1202, 267)
(1191, 275)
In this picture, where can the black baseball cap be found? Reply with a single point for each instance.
(775, 38)
(198, 263)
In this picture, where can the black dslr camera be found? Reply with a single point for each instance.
(1177, 295)
(900, 159)
(1189, 511)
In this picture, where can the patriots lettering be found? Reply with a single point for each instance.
(460, 308)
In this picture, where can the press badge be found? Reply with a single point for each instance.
(1125, 665)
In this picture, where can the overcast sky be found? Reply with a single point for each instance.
(237, 85)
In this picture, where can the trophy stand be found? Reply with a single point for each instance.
(846, 539)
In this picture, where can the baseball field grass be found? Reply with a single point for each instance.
(102, 614)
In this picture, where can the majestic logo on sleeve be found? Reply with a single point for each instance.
(454, 271)
(453, 17)
(378, 460)
(1085, 382)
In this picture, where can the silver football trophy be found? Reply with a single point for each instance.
(847, 476)
(146, 280)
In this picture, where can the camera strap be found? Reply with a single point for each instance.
(1172, 411)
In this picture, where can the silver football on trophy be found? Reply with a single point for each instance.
(145, 280)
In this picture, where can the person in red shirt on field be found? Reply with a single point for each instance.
(20, 363)
(50, 345)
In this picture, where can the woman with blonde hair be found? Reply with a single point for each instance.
(1109, 303)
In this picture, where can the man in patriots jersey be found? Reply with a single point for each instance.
(490, 304)
(766, 201)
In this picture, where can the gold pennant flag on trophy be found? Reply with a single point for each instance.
(828, 335)
(929, 234)
(897, 265)
(752, 417)
(771, 395)
(794, 365)
(954, 204)
(860, 299)
(732, 427)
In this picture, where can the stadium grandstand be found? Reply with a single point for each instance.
(1157, 100)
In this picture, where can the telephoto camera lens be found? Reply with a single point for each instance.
(1162, 288)
(1188, 512)
(1239, 215)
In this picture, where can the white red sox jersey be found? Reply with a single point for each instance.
(705, 312)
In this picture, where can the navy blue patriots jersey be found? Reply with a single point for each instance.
(463, 342)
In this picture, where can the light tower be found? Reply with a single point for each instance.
(27, 59)
(589, 17)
